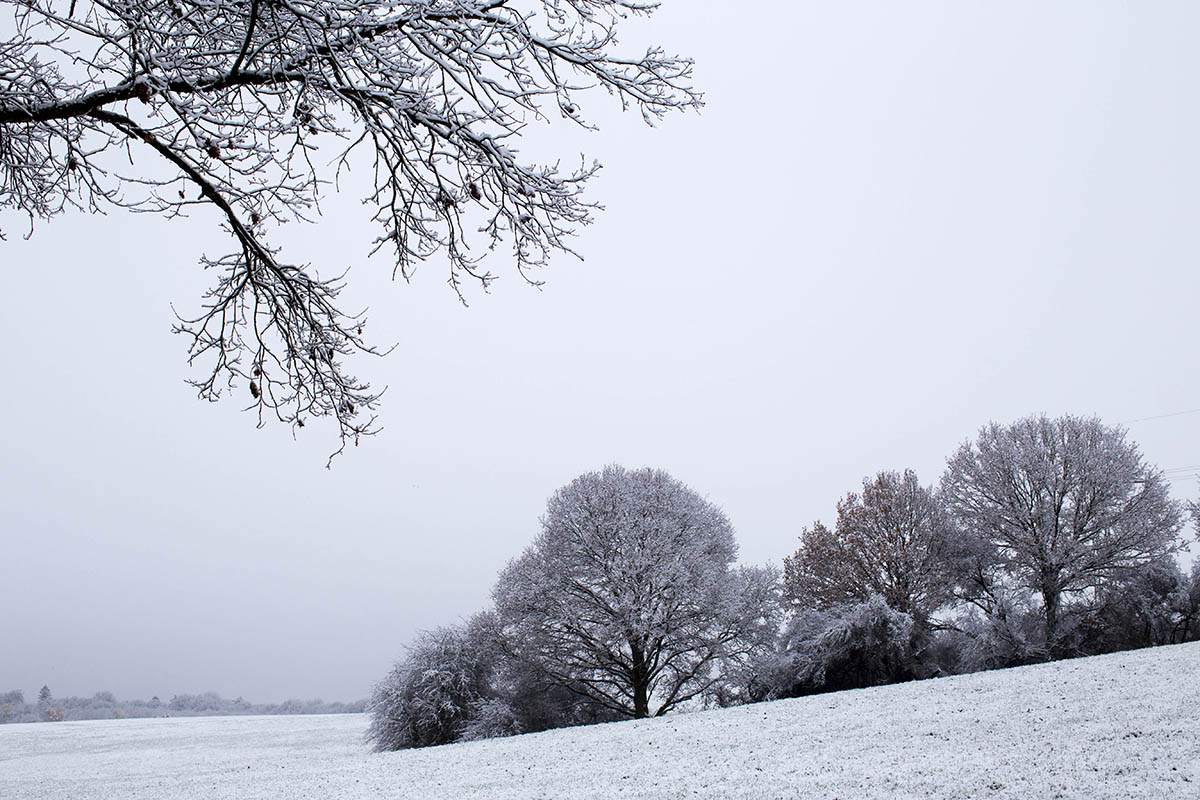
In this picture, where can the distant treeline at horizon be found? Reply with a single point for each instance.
(105, 705)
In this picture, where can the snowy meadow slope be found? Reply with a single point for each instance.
(1116, 726)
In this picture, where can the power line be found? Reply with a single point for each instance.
(1161, 416)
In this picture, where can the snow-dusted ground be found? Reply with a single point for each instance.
(1119, 726)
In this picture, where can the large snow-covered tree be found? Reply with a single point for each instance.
(892, 541)
(1058, 506)
(253, 109)
(629, 596)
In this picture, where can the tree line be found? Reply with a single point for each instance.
(105, 705)
(1044, 539)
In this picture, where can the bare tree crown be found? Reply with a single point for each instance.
(1063, 504)
(892, 541)
(245, 101)
(628, 596)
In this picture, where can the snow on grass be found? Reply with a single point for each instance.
(1118, 726)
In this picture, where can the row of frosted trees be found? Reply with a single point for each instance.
(1045, 539)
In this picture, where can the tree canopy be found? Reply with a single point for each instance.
(892, 540)
(628, 596)
(1060, 506)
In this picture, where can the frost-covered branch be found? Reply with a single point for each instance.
(253, 108)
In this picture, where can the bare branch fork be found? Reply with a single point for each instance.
(236, 97)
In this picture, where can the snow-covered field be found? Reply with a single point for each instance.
(1119, 726)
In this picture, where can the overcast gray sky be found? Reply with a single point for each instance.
(891, 223)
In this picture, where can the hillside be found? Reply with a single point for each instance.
(1118, 726)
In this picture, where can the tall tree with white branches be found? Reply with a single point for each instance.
(1059, 506)
(628, 596)
(254, 107)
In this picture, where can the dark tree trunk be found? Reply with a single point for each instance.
(641, 683)
(1050, 598)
